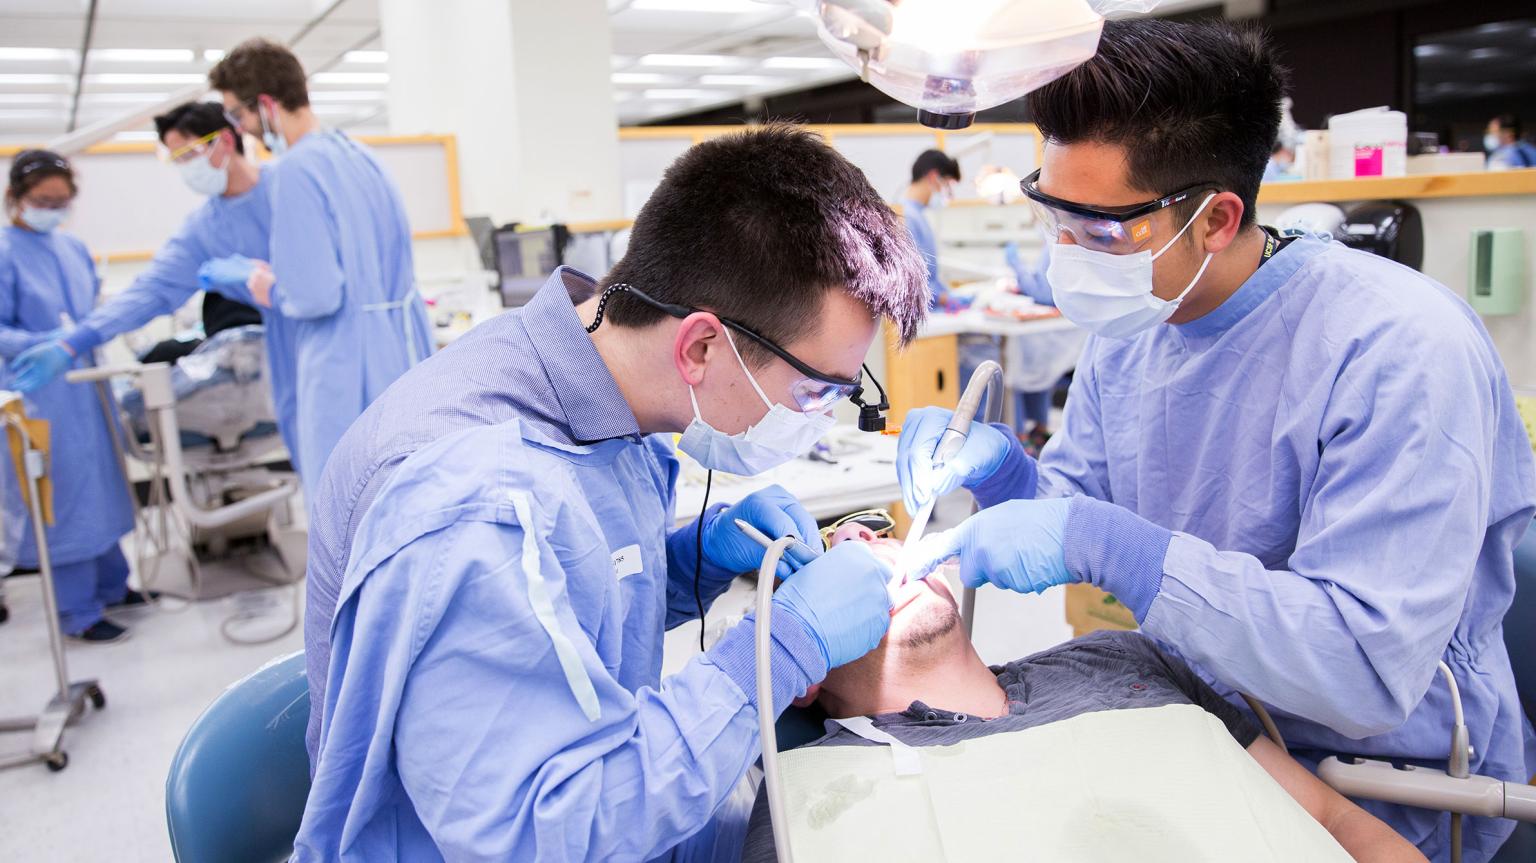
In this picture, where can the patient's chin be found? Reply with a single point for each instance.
(926, 622)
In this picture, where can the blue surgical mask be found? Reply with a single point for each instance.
(781, 435)
(42, 219)
(271, 136)
(1490, 142)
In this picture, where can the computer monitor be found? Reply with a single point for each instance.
(524, 259)
(482, 230)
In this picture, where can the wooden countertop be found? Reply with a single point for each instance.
(1479, 184)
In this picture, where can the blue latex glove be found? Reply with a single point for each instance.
(1017, 545)
(38, 365)
(984, 452)
(233, 270)
(841, 598)
(773, 511)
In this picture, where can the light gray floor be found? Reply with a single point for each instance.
(109, 804)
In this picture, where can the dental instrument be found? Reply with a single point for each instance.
(986, 380)
(798, 552)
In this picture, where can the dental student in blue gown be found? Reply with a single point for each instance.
(1298, 464)
(47, 282)
(339, 263)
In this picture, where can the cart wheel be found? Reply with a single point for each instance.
(57, 761)
(98, 698)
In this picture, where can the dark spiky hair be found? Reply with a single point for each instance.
(1189, 102)
(756, 226)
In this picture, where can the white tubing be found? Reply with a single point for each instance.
(765, 712)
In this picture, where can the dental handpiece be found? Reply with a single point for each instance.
(798, 552)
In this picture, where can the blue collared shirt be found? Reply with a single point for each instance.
(491, 570)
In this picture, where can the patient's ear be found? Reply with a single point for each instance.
(809, 697)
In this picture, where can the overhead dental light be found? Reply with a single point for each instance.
(950, 59)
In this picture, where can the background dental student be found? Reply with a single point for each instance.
(1506, 150)
(495, 533)
(934, 177)
(1299, 465)
(47, 281)
(340, 253)
(236, 219)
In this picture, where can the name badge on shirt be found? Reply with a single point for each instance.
(626, 561)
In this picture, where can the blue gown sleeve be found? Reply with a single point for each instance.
(1349, 633)
(442, 674)
(1074, 460)
(306, 255)
(168, 282)
(13, 339)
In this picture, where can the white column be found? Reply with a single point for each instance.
(524, 85)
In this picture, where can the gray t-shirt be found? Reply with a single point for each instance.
(1100, 671)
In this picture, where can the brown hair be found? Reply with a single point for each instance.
(259, 66)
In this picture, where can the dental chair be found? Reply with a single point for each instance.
(206, 430)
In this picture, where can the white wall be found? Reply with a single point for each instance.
(1448, 223)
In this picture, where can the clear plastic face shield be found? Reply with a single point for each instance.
(950, 60)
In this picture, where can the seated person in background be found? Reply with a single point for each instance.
(925, 685)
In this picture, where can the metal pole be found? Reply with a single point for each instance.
(85, 50)
(32, 462)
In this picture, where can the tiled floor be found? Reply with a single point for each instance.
(109, 804)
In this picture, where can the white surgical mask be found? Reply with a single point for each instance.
(1111, 295)
(42, 219)
(271, 136)
(781, 435)
(1490, 142)
(202, 177)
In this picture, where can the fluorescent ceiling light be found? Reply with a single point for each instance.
(679, 94)
(213, 55)
(345, 95)
(638, 78)
(739, 80)
(136, 135)
(36, 54)
(124, 98)
(350, 78)
(366, 57)
(146, 78)
(683, 60)
(31, 113)
(30, 78)
(32, 98)
(726, 7)
(144, 55)
(803, 63)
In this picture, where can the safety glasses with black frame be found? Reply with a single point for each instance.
(816, 391)
(1116, 230)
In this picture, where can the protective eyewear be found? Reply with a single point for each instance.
(877, 520)
(1116, 230)
(815, 392)
(236, 115)
(187, 151)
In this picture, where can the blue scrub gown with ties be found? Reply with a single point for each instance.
(44, 276)
(341, 252)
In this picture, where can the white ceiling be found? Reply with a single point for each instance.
(670, 57)
(144, 50)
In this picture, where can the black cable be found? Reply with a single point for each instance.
(698, 554)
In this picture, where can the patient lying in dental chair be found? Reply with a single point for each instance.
(925, 686)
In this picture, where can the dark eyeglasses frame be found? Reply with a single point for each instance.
(870, 416)
(1029, 187)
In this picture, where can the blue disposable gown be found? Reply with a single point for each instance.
(222, 226)
(495, 537)
(341, 252)
(1337, 453)
(915, 216)
(44, 276)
